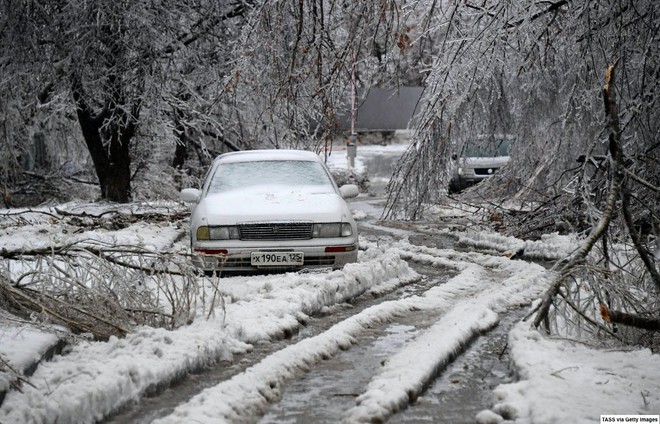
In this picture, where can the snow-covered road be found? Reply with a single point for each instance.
(465, 306)
(409, 328)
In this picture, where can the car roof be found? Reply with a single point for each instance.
(267, 155)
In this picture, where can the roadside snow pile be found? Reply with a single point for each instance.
(95, 378)
(21, 346)
(562, 381)
(550, 247)
(116, 225)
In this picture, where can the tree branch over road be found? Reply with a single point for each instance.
(618, 193)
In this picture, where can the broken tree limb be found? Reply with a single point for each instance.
(616, 185)
(637, 241)
(74, 324)
(80, 247)
(616, 317)
(642, 181)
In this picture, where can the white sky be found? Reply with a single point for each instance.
(560, 381)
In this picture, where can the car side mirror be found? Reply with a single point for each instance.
(349, 190)
(190, 195)
(454, 156)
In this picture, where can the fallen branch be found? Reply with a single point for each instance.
(76, 325)
(77, 248)
(17, 378)
(101, 289)
(616, 317)
(584, 316)
(616, 188)
(643, 182)
(647, 258)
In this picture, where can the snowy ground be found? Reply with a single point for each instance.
(559, 380)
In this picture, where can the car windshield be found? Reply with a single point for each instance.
(291, 173)
(487, 148)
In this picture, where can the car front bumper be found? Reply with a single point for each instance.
(239, 259)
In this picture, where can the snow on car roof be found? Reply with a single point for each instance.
(266, 155)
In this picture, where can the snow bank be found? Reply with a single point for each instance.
(265, 307)
(23, 229)
(550, 247)
(96, 378)
(21, 346)
(563, 381)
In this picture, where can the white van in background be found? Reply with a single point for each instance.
(479, 159)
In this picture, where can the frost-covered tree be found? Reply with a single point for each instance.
(197, 76)
(537, 70)
(294, 63)
(534, 70)
(121, 69)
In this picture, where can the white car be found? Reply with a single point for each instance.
(480, 159)
(262, 210)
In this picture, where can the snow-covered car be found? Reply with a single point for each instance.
(479, 159)
(264, 210)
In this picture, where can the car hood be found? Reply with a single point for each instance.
(272, 205)
(498, 161)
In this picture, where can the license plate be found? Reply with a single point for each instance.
(277, 258)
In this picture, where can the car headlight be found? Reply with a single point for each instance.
(217, 233)
(334, 229)
(203, 233)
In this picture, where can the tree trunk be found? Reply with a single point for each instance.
(120, 133)
(108, 135)
(181, 150)
(118, 179)
(113, 163)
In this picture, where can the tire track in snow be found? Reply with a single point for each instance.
(406, 374)
(247, 395)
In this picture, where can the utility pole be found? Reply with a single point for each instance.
(351, 143)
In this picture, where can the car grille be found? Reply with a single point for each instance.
(484, 171)
(276, 231)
